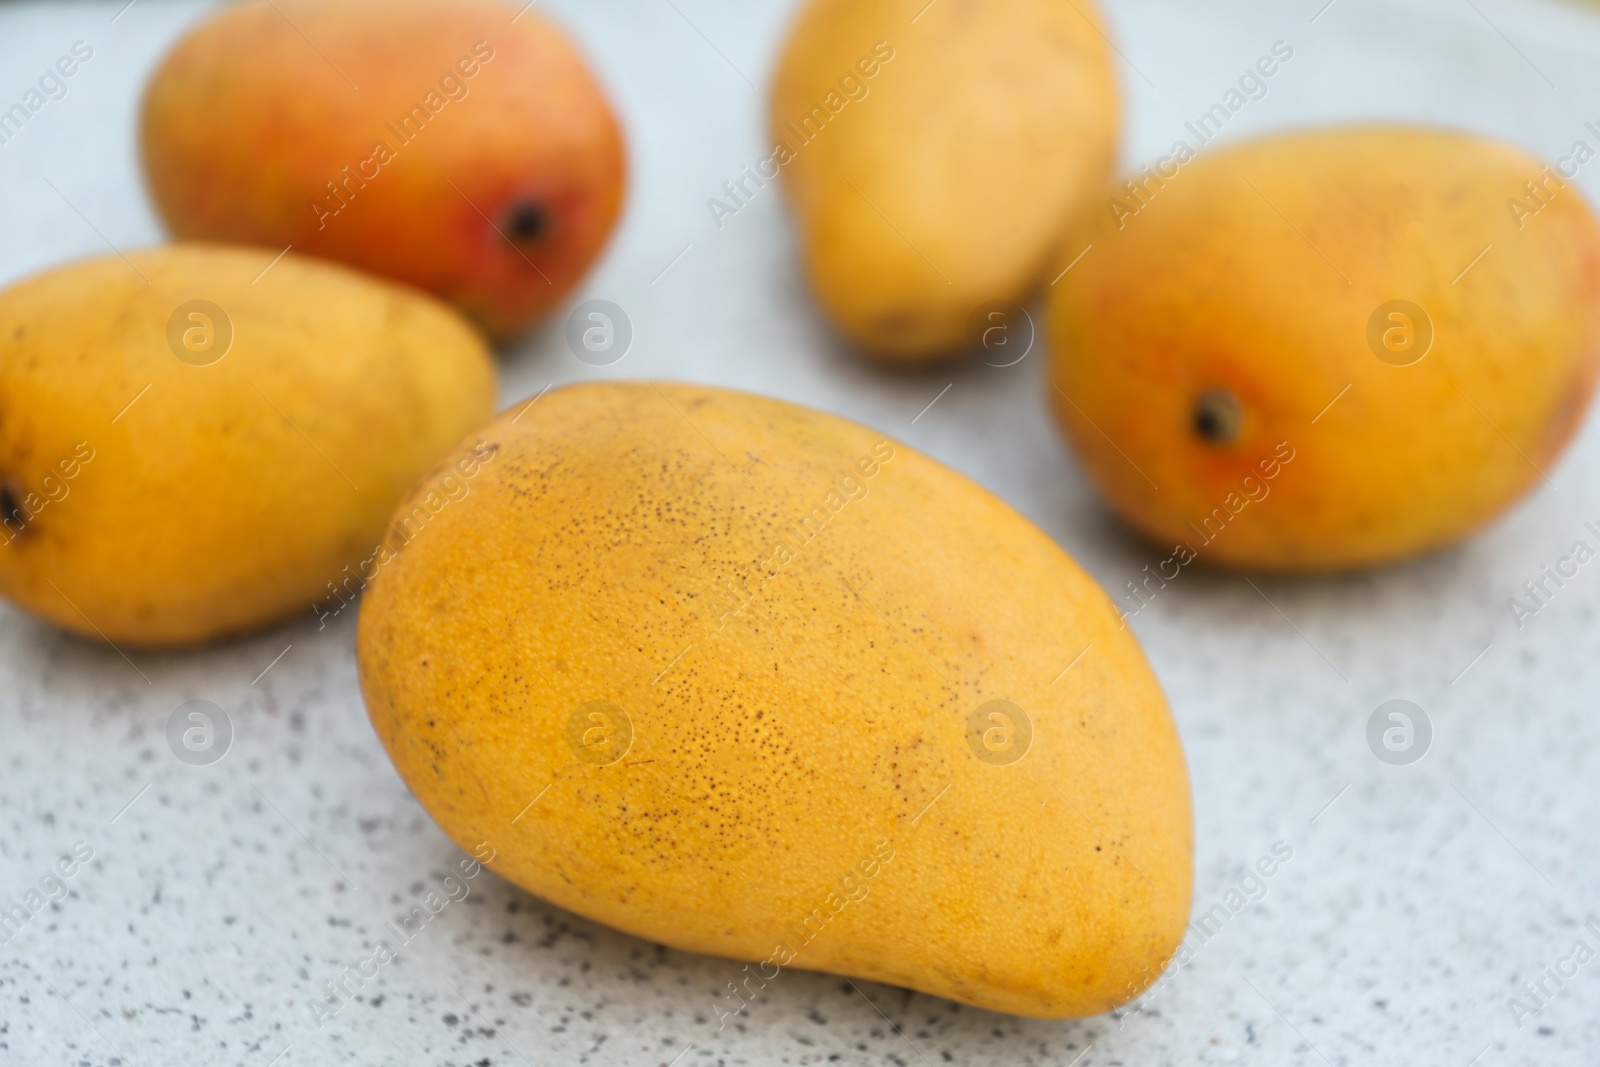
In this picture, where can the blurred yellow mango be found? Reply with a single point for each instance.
(196, 439)
(934, 154)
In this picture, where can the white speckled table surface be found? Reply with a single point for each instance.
(215, 900)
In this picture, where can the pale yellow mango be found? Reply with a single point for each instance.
(935, 153)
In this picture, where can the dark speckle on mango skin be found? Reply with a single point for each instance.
(795, 616)
(1216, 417)
(526, 221)
(11, 513)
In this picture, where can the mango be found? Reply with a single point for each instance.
(463, 147)
(195, 440)
(747, 679)
(935, 154)
(1329, 349)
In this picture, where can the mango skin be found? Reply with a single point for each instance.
(951, 183)
(1209, 287)
(245, 125)
(215, 498)
(800, 750)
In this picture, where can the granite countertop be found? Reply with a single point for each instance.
(191, 911)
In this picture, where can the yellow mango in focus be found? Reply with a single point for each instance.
(934, 154)
(747, 679)
(195, 439)
(1328, 349)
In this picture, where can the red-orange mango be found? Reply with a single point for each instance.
(462, 147)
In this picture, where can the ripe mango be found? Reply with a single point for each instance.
(195, 440)
(1328, 349)
(463, 147)
(751, 680)
(935, 154)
